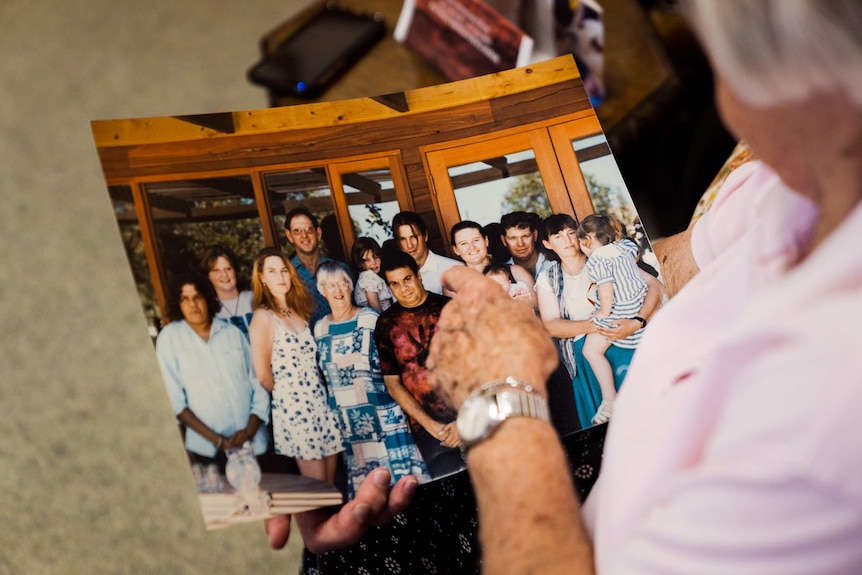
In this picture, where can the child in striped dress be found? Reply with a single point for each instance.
(612, 266)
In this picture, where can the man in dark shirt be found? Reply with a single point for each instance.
(403, 337)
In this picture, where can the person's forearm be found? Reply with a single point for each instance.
(554, 324)
(560, 328)
(653, 297)
(409, 404)
(247, 433)
(252, 426)
(260, 333)
(606, 298)
(529, 517)
(373, 299)
(191, 421)
(267, 381)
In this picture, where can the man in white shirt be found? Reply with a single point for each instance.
(411, 234)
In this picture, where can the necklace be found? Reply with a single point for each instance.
(284, 311)
(236, 307)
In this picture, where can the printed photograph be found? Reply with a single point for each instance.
(289, 265)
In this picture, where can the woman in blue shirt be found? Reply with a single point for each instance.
(207, 368)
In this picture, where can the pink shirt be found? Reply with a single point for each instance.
(736, 443)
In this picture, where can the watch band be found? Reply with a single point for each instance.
(516, 398)
(640, 319)
(503, 398)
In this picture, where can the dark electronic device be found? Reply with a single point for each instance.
(309, 59)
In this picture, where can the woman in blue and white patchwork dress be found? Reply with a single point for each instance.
(375, 429)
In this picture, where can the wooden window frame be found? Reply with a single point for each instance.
(551, 144)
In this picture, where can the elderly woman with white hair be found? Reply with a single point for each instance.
(374, 427)
(734, 446)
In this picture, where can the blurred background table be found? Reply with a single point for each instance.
(659, 114)
(641, 83)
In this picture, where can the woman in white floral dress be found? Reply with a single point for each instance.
(284, 356)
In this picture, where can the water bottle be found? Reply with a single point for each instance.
(243, 474)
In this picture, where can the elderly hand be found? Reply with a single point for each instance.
(324, 530)
(483, 335)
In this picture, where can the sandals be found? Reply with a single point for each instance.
(603, 414)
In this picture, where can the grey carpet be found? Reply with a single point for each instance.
(92, 476)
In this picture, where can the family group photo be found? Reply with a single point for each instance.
(292, 305)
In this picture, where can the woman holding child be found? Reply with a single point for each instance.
(567, 302)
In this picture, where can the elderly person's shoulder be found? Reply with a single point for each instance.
(803, 386)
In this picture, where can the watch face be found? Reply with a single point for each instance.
(475, 418)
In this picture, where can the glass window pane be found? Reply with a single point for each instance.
(308, 188)
(371, 202)
(133, 241)
(608, 190)
(190, 215)
(486, 190)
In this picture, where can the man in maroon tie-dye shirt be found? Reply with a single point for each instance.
(403, 337)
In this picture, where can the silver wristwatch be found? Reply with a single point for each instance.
(493, 403)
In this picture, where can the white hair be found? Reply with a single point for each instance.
(773, 51)
(330, 269)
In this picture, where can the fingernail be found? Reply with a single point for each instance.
(410, 486)
(381, 478)
(362, 512)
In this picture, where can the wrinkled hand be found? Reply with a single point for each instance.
(327, 529)
(483, 335)
(620, 329)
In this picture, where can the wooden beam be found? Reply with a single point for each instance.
(221, 122)
(593, 152)
(396, 101)
(362, 183)
(502, 86)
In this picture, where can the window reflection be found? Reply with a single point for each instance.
(608, 191)
(133, 242)
(371, 202)
(189, 215)
(309, 188)
(487, 189)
